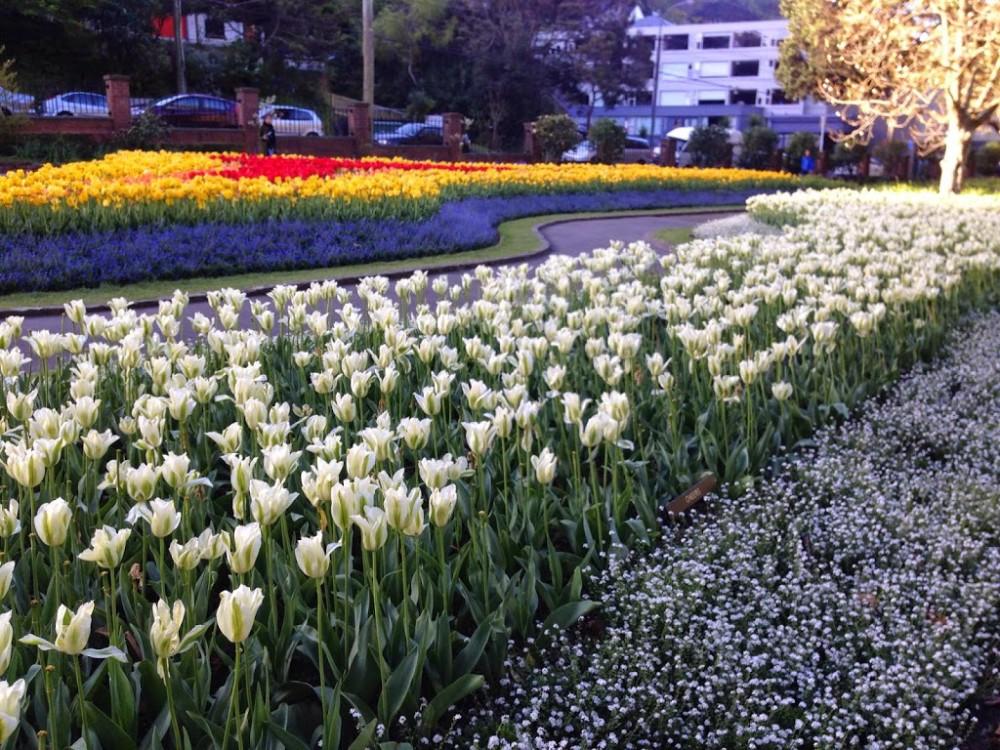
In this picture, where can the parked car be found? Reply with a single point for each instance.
(192, 111)
(682, 136)
(288, 120)
(413, 134)
(853, 171)
(13, 103)
(637, 151)
(81, 103)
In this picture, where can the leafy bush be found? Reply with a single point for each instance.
(848, 154)
(55, 149)
(609, 140)
(988, 159)
(893, 155)
(146, 132)
(556, 134)
(798, 144)
(759, 143)
(709, 146)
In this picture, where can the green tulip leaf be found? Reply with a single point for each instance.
(464, 686)
(399, 683)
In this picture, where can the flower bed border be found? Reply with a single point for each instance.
(71, 261)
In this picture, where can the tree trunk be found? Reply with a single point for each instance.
(956, 151)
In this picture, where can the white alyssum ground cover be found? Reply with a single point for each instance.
(849, 601)
(732, 226)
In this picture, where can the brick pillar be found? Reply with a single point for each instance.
(532, 148)
(116, 89)
(359, 126)
(668, 152)
(453, 127)
(247, 106)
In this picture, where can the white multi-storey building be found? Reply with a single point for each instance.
(707, 71)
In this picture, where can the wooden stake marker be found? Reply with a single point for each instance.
(691, 496)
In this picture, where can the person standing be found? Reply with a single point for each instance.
(268, 136)
(808, 164)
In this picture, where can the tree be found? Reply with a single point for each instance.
(609, 140)
(410, 30)
(509, 77)
(931, 67)
(759, 143)
(709, 146)
(557, 134)
(595, 57)
(798, 144)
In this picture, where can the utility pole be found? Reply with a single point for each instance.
(179, 48)
(656, 86)
(368, 51)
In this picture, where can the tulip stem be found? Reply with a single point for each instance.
(444, 571)
(233, 701)
(406, 587)
(320, 660)
(271, 593)
(170, 704)
(376, 597)
(80, 702)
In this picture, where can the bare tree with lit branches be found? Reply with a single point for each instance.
(930, 67)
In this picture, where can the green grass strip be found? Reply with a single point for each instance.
(674, 236)
(518, 238)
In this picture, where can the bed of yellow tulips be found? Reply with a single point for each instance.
(137, 188)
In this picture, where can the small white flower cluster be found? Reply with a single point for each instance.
(848, 602)
(731, 226)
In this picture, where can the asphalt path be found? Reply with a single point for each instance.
(572, 237)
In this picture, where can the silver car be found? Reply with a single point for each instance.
(288, 120)
(80, 103)
(13, 103)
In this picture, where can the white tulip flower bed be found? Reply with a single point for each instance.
(299, 533)
(850, 601)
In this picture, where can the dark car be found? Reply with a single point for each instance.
(412, 134)
(193, 111)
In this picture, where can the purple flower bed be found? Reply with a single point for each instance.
(126, 256)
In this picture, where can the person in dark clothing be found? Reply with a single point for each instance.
(268, 137)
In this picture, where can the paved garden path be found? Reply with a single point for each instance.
(570, 237)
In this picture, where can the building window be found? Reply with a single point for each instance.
(716, 42)
(746, 68)
(215, 28)
(714, 69)
(747, 39)
(675, 41)
(743, 96)
(712, 97)
(778, 97)
(674, 70)
(674, 99)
